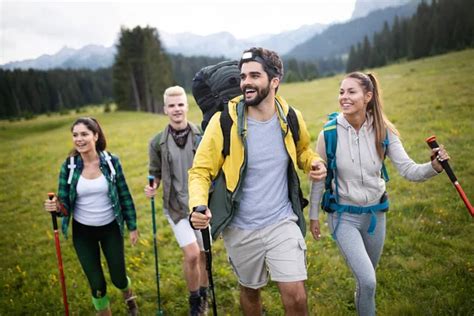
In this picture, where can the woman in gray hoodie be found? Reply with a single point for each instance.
(356, 198)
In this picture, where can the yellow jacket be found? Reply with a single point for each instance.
(209, 162)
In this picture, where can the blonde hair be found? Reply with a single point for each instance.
(375, 108)
(173, 92)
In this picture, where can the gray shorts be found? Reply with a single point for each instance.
(278, 249)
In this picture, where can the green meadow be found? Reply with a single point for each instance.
(427, 267)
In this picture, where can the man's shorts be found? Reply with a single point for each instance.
(184, 233)
(278, 249)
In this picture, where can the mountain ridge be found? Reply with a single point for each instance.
(337, 39)
(308, 42)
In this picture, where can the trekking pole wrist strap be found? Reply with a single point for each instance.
(190, 222)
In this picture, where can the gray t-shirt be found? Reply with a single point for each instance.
(180, 162)
(264, 199)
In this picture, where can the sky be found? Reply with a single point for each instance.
(29, 29)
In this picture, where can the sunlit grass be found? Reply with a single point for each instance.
(427, 267)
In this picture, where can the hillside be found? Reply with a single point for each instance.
(427, 267)
(337, 39)
(364, 7)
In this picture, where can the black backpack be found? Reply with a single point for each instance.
(213, 86)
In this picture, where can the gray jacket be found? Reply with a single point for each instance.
(358, 166)
(159, 166)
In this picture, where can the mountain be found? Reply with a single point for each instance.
(90, 57)
(308, 42)
(94, 56)
(337, 39)
(284, 42)
(187, 44)
(214, 45)
(225, 44)
(363, 7)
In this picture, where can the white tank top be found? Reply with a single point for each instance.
(93, 206)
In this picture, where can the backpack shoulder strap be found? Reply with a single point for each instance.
(294, 125)
(108, 159)
(330, 139)
(158, 138)
(383, 171)
(71, 166)
(156, 143)
(197, 132)
(226, 125)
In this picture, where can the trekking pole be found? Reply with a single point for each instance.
(433, 144)
(60, 260)
(206, 240)
(151, 180)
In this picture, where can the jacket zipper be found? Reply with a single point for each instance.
(360, 164)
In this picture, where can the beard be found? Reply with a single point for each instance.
(260, 95)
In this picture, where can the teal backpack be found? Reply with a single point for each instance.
(330, 199)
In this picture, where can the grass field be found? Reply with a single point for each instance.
(427, 267)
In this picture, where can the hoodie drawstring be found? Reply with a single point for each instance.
(366, 137)
(349, 140)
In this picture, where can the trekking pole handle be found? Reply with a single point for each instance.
(433, 144)
(431, 141)
(53, 214)
(205, 232)
(151, 180)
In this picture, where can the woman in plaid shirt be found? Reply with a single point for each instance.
(93, 191)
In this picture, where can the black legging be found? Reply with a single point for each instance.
(87, 241)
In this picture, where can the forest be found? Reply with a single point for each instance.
(143, 69)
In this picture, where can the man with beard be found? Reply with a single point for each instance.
(255, 203)
(171, 154)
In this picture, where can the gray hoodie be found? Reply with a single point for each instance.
(358, 166)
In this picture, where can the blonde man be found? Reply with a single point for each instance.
(171, 154)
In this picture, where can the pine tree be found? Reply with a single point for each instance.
(351, 60)
(397, 38)
(365, 53)
(422, 31)
(141, 71)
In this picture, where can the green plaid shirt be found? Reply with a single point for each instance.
(119, 194)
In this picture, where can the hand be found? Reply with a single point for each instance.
(314, 227)
(51, 205)
(318, 170)
(200, 220)
(437, 156)
(150, 192)
(134, 235)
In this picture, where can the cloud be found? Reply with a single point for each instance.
(29, 29)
